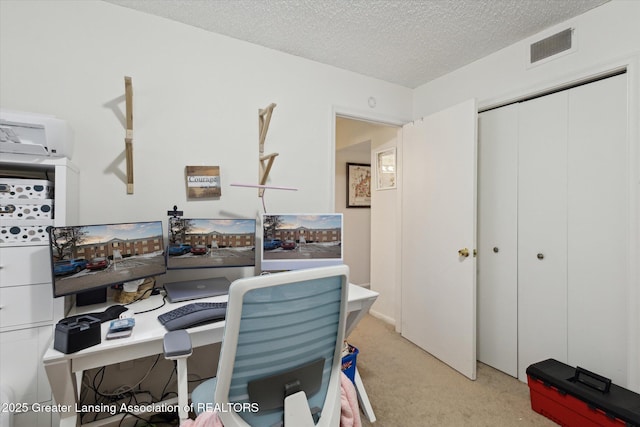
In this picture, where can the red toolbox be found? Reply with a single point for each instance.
(575, 397)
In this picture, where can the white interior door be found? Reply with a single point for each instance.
(438, 219)
(498, 239)
(542, 231)
(598, 234)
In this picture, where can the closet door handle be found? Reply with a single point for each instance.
(463, 252)
(496, 249)
(540, 256)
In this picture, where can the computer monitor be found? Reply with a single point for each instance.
(92, 257)
(211, 243)
(297, 241)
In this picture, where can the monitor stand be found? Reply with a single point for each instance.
(96, 296)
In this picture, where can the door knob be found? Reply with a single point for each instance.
(540, 256)
(463, 252)
(496, 249)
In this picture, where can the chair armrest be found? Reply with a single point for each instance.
(177, 344)
(177, 347)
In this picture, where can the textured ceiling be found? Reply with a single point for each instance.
(408, 42)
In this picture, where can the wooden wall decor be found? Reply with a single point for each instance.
(128, 140)
(265, 161)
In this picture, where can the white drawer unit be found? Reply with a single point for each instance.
(34, 419)
(24, 265)
(22, 351)
(13, 310)
(28, 311)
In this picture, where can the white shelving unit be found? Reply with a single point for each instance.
(28, 311)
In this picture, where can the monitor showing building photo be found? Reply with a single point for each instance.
(89, 257)
(297, 241)
(211, 243)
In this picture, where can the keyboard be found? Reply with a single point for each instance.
(193, 314)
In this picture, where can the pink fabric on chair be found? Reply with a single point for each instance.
(205, 419)
(349, 415)
(350, 411)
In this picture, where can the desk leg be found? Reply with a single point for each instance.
(78, 384)
(363, 398)
(183, 388)
(63, 388)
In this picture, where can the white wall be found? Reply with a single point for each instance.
(603, 35)
(196, 97)
(606, 36)
(357, 221)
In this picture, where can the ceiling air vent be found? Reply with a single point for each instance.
(551, 46)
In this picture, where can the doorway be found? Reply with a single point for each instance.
(356, 141)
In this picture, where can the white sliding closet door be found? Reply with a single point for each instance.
(598, 233)
(542, 231)
(498, 239)
(438, 219)
(564, 158)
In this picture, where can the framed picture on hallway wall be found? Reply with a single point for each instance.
(358, 185)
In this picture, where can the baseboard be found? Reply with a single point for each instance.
(383, 317)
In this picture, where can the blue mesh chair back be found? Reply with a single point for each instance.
(276, 323)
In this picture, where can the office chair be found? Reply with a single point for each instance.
(280, 362)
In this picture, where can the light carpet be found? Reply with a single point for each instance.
(408, 387)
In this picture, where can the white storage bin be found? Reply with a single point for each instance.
(26, 209)
(18, 188)
(27, 232)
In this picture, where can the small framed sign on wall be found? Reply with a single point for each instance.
(358, 185)
(386, 169)
(203, 182)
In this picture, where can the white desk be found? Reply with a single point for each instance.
(146, 340)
